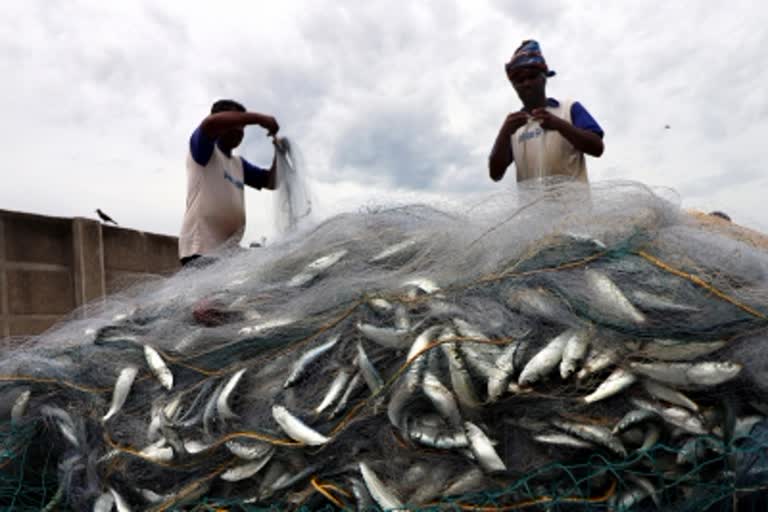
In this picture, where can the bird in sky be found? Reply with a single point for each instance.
(104, 217)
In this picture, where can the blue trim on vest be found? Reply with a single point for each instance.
(233, 180)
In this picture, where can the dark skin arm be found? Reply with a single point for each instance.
(583, 140)
(218, 124)
(501, 154)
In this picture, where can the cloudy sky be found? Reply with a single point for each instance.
(387, 100)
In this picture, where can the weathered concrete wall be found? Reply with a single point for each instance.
(51, 266)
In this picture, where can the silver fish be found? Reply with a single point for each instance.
(461, 381)
(335, 390)
(562, 439)
(249, 450)
(247, 470)
(380, 305)
(669, 395)
(675, 350)
(470, 481)
(194, 447)
(296, 429)
(60, 415)
(616, 382)
(121, 391)
(368, 371)
(689, 375)
(20, 406)
(301, 366)
(387, 337)
(384, 497)
(650, 301)
(315, 268)
(652, 435)
(482, 448)
(266, 326)
(608, 299)
(158, 451)
(222, 402)
(545, 360)
(353, 387)
(392, 251)
(676, 416)
(575, 349)
(631, 419)
(506, 365)
(158, 367)
(209, 412)
(599, 359)
(442, 398)
(594, 433)
(104, 502)
(120, 503)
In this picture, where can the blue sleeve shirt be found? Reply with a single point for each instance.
(201, 147)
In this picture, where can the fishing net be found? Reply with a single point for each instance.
(548, 348)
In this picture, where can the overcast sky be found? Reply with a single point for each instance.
(387, 100)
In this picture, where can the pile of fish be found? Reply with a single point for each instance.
(549, 352)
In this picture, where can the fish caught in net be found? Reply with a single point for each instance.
(558, 348)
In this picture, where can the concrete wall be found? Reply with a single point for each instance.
(50, 266)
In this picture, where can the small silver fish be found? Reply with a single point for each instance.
(669, 395)
(353, 387)
(120, 503)
(482, 448)
(506, 365)
(297, 429)
(368, 371)
(461, 380)
(20, 406)
(250, 450)
(158, 367)
(244, 471)
(616, 382)
(383, 496)
(676, 350)
(442, 398)
(387, 337)
(222, 402)
(301, 366)
(335, 390)
(689, 375)
(631, 419)
(575, 349)
(562, 439)
(392, 251)
(595, 433)
(104, 503)
(608, 299)
(675, 416)
(545, 360)
(121, 391)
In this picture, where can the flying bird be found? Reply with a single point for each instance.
(104, 217)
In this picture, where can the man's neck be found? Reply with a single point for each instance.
(227, 151)
(534, 104)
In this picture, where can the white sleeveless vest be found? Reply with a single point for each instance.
(540, 153)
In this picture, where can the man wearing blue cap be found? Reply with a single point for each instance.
(547, 137)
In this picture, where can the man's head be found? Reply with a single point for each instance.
(231, 138)
(527, 71)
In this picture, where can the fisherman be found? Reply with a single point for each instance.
(547, 137)
(215, 213)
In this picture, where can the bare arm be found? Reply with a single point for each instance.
(216, 124)
(501, 154)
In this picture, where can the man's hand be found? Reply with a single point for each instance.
(269, 123)
(514, 121)
(548, 120)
